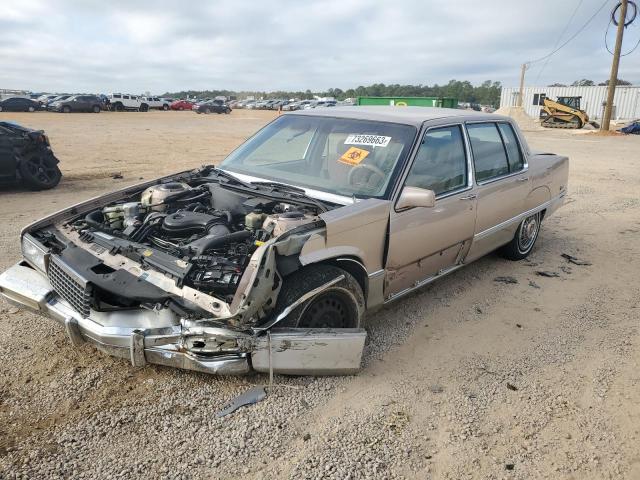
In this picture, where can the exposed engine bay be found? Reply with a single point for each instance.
(197, 234)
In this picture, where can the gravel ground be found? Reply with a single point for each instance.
(469, 378)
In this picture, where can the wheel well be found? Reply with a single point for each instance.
(355, 267)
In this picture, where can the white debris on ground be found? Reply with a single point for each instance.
(524, 121)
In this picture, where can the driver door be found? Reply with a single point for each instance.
(423, 241)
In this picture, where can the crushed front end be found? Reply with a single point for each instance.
(183, 272)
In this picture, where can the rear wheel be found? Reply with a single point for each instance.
(228, 110)
(39, 171)
(524, 239)
(341, 305)
(66, 109)
(144, 107)
(31, 108)
(96, 109)
(165, 107)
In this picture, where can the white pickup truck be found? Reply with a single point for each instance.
(156, 103)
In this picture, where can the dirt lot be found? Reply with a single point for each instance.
(469, 378)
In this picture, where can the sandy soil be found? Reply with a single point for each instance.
(469, 378)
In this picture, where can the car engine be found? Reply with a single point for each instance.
(195, 230)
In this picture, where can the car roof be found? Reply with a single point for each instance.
(415, 116)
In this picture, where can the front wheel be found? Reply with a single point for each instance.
(96, 109)
(525, 238)
(165, 107)
(66, 109)
(32, 109)
(340, 305)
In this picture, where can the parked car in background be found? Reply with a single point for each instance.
(299, 105)
(42, 99)
(156, 103)
(59, 98)
(78, 103)
(213, 106)
(120, 102)
(26, 157)
(271, 260)
(182, 105)
(19, 104)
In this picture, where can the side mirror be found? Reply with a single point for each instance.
(416, 197)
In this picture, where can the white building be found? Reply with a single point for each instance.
(626, 103)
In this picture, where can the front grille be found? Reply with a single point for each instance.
(70, 285)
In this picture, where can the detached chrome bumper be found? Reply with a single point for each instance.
(135, 335)
(25, 287)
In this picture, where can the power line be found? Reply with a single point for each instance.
(558, 40)
(555, 50)
(613, 20)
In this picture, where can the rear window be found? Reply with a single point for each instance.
(513, 148)
(489, 156)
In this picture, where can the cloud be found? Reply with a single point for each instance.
(97, 46)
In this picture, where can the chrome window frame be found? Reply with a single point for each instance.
(414, 153)
(525, 158)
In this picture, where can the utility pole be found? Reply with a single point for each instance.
(613, 79)
(521, 94)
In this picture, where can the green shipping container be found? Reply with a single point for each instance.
(445, 102)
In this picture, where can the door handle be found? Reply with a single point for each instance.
(525, 179)
(469, 197)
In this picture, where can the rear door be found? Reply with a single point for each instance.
(502, 178)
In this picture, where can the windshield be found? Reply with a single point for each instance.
(335, 155)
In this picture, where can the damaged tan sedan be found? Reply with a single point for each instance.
(270, 261)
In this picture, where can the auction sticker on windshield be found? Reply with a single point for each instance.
(353, 156)
(369, 140)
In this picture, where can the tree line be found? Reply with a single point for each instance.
(487, 93)
(585, 82)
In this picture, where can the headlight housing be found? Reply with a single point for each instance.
(34, 253)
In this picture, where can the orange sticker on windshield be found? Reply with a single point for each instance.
(353, 156)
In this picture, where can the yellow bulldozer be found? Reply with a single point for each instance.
(564, 112)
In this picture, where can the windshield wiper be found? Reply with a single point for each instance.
(296, 191)
(221, 173)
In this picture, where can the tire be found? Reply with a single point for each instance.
(340, 306)
(96, 109)
(118, 107)
(181, 108)
(165, 107)
(66, 109)
(39, 171)
(524, 239)
(31, 109)
(207, 111)
(227, 111)
(144, 107)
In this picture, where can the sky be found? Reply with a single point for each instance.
(162, 46)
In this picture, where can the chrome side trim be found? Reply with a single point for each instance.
(376, 274)
(285, 313)
(516, 219)
(422, 283)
